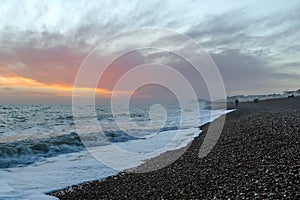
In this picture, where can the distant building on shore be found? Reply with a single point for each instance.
(245, 98)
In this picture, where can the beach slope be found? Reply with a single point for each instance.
(256, 157)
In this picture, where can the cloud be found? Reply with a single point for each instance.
(31, 86)
(7, 89)
(50, 65)
(254, 48)
(237, 29)
(244, 72)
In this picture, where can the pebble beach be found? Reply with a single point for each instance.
(256, 157)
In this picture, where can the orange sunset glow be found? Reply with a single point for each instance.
(10, 83)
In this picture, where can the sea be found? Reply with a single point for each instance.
(41, 150)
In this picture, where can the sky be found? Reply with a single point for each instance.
(255, 44)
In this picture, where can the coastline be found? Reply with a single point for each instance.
(255, 157)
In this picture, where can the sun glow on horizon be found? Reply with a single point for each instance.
(18, 84)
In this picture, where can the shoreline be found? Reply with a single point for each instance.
(145, 166)
(234, 168)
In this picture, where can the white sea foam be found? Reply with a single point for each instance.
(52, 173)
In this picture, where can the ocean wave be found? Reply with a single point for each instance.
(29, 151)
